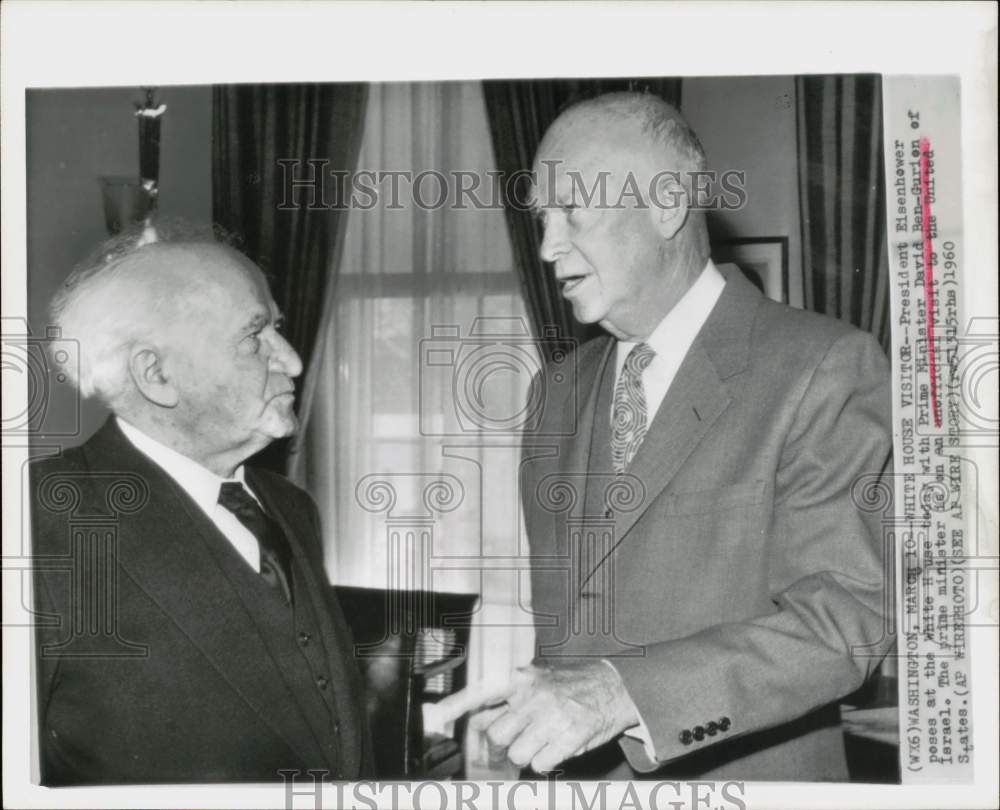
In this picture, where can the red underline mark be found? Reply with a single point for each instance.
(925, 227)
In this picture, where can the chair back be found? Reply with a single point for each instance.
(411, 648)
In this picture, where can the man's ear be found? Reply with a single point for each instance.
(146, 368)
(670, 204)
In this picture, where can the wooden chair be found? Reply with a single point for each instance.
(411, 648)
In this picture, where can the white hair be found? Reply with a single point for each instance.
(115, 299)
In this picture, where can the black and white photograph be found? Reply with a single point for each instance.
(610, 437)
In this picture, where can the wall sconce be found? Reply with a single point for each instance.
(129, 199)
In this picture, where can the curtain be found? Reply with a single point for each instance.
(841, 192)
(262, 138)
(425, 355)
(519, 113)
(845, 260)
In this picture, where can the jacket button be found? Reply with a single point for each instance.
(304, 638)
(712, 729)
(725, 723)
(321, 682)
(686, 737)
(699, 733)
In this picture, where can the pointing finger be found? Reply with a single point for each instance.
(474, 696)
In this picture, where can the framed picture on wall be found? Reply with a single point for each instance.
(763, 260)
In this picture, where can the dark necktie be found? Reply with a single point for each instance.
(628, 426)
(275, 554)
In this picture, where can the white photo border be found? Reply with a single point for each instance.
(163, 43)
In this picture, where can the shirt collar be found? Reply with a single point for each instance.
(679, 327)
(199, 482)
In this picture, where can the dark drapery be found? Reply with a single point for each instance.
(253, 128)
(841, 192)
(519, 113)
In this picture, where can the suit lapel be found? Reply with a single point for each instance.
(552, 464)
(575, 454)
(697, 397)
(172, 559)
(695, 400)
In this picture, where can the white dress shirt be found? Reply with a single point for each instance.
(203, 486)
(671, 340)
(673, 337)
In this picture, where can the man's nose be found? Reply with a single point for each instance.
(554, 242)
(284, 358)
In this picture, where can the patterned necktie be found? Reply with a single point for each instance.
(275, 554)
(628, 426)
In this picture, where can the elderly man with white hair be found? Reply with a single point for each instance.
(186, 630)
(718, 583)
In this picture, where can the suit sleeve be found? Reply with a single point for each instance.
(52, 612)
(826, 575)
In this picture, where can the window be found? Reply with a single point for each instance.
(426, 361)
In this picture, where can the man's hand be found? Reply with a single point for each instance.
(551, 712)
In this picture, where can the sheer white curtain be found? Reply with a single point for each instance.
(410, 443)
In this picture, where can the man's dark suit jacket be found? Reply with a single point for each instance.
(163, 657)
(736, 576)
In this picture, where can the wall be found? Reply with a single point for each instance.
(74, 136)
(748, 123)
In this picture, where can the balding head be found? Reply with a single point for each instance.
(614, 187)
(182, 339)
(127, 294)
(640, 131)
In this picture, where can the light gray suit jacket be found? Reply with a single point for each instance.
(736, 576)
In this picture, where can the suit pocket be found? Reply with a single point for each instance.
(705, 501)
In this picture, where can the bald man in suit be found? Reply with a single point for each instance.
(712, 588)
